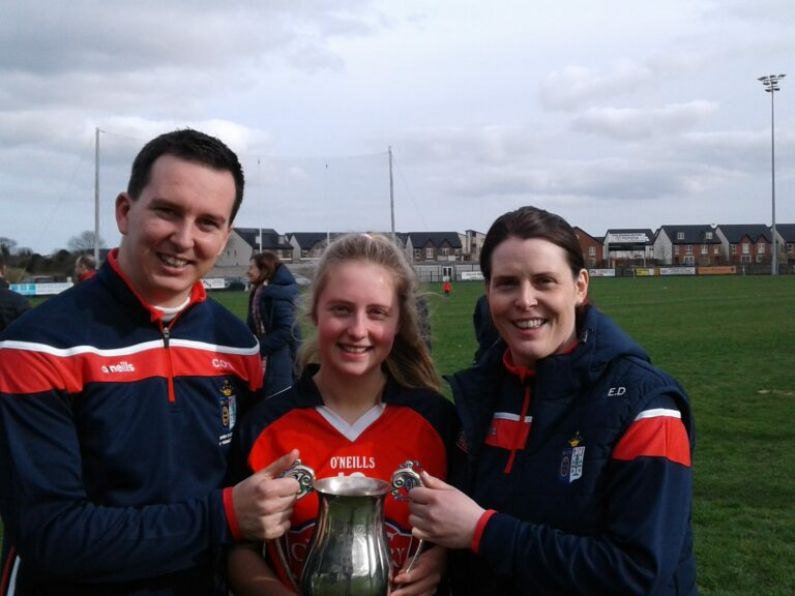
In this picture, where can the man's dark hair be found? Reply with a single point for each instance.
(531, 222)
(190, 145)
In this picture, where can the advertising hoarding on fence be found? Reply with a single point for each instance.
(471, 276)
(677, 270)
(725, 270)
(602, 272)
(645, 272)
(214, 283)
(43, 289)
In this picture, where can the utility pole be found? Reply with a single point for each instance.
(770, 82)
(392, 196)
(96, 195)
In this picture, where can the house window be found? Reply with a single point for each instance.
(708, 235)
(429, 252)
(790, 247)
(733, 249)
(746, 248)
(417, 254)
(704, 249)
(591, 251)
(760, 249)
(445, 251)
(716, 251)
(689, 260)
(680, 235)
(689, 249)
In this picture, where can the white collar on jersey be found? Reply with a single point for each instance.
(352, 431)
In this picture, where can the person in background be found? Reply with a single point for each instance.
(447, 288)
(424, 321)
(118, 398)
(12, 304)
(485, 332)
(271, 317)
(85, 268)
(367, 403)
(579, 477)
(256, 274)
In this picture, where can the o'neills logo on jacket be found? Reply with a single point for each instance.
(119, 367)
(352, 462)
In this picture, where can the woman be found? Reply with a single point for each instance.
(367, 402)
(271, 317)
(578, 449)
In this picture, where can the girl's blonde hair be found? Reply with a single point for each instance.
(409, 362)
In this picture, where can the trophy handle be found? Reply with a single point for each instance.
(403, 480)
(305, 476)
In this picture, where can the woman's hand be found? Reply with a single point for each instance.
(442, 514)
(424, 578)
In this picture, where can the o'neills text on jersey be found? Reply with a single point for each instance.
(352, 462)
(121, 367)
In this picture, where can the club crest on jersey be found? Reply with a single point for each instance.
(571, 461)
(228, 405)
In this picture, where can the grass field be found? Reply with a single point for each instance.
(731, 342)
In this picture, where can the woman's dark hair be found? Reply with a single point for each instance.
(526, 223)
(190, 145)
(267, 262)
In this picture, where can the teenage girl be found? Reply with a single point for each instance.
(367, 402)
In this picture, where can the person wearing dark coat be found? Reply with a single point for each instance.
(271, 317)
(485, 332)
(12, 304)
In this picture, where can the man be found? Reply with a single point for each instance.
(118, 398)
(12, 305)
(85, 268)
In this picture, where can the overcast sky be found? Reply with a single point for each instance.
(615, 114)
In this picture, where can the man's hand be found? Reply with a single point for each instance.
(264, 502)
(442, 514)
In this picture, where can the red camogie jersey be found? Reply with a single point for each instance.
(409, 425)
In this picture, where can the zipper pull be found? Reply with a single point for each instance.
(166, 335)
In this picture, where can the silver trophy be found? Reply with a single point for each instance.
(348, 555)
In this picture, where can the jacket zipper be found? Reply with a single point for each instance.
(172, 396)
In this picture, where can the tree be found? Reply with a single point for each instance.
(84, 242)
(7, 245)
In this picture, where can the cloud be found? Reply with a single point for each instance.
(643, 123)
(576, 86)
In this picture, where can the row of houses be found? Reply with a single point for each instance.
(687, 245)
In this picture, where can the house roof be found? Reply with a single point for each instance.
(736, 232)
(578, 230)
(436, 239)
(309, 240)
(786, 231)
(270, 238)
(692, 234)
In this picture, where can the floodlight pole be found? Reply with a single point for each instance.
(770, 83)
